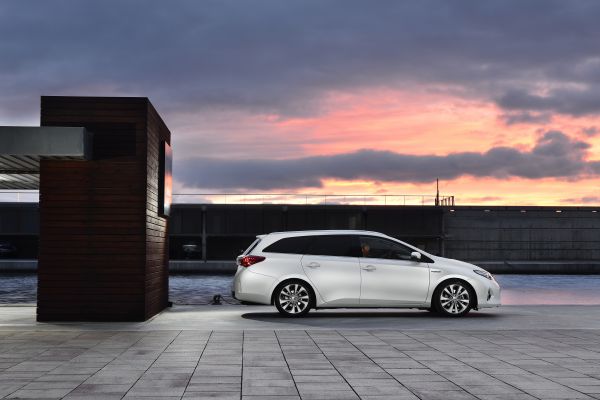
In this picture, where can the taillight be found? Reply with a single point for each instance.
(247, 261)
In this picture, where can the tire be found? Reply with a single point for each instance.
(294, 298)
(453, 298)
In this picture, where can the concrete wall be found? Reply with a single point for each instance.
(20, 225)
(502, 239)
(219, 232)
(522, 234)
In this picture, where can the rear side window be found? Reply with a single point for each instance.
(252, 246)
(335, 245)
(291, 245)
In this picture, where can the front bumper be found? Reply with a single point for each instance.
(489, 295)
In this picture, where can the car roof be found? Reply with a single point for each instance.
(324, 232)
(270, 238)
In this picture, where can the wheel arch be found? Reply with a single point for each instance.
(292, 279)
(455, 278)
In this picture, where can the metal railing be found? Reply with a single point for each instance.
(321, 199)
(32, 196)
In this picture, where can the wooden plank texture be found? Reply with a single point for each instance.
(103, 247)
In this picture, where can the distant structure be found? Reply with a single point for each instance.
(502, 239)
(102, 165)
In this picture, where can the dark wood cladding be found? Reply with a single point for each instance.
(157, 241)
(103, 247)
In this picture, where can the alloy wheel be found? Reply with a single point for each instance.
(293, 298)
(455, 298)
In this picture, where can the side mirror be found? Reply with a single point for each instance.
(415, 256)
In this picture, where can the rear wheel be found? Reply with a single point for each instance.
(293, 299)
(453, 298)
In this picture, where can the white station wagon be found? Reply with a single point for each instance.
(297, 271)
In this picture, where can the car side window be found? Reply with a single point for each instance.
(374, 247)
(290, 245)
(334, 245)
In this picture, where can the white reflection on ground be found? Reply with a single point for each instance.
(549, 289)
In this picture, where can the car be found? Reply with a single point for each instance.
(7, 249)
(191, 250)
(304, 270)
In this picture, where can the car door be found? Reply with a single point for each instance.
(331, 264)
(388, 276)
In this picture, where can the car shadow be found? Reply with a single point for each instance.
(321, 315)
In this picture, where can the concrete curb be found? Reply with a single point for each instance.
(176, 266)
(18, 265)
(229, 267)
(540, 267)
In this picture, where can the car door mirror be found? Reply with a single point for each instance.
(415, 256)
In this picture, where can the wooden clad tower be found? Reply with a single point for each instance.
(103, 239)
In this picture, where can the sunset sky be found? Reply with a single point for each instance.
(500, 100)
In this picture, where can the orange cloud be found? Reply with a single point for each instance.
(434, 123)
(407, 122)
(404, 122)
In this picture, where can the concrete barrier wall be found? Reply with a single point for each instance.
(175, 266)
(510, 234)
(501, 239)
(226, 267)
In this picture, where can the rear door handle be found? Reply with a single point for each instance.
(369, 268)
(435, 270)
(313, 265)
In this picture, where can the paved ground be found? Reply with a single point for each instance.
(325, 364)
(227, 317)
(253, 354)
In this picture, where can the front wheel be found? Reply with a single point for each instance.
(293, 299)
(453, 299)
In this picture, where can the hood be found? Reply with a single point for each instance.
(451, 262)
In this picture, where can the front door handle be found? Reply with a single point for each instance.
(369, 268)
(314, 265)
(435, 270)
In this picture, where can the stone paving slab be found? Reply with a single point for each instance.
(301, 364)
(240, 317)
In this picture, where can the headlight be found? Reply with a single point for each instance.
(483, 273)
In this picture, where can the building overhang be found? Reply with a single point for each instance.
(22, 148)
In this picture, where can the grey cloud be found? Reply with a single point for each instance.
(584, 200)
(563, 101)
(554, 155)
(479, 200)
(525, 117)
(590, 131)
(281, 57)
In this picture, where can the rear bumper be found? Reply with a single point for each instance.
(252, 287)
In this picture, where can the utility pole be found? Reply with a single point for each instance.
(437, 191)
